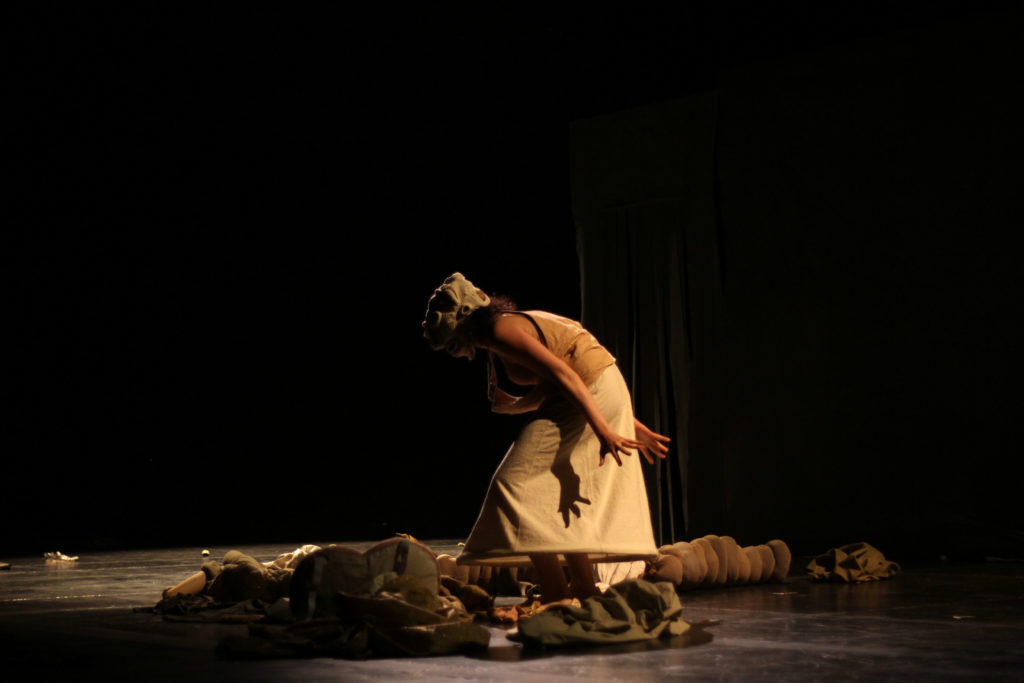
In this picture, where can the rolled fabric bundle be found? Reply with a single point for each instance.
(743, 562)
(767, 561)
(732, 551)
(703, 546)
(718, 547)
(701, 560)
(666, 567)
(754, 562)
(693, 566)
(782, 559)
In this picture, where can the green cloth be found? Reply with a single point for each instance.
(628, 611)
(852, 563)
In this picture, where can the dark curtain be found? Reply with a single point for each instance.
(643, 201)
(811, 281)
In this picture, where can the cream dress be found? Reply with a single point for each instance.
(549, 495)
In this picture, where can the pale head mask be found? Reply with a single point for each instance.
(446, 325)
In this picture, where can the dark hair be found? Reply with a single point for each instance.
(482, 318)
(501, 304)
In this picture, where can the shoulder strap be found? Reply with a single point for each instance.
(543, 339)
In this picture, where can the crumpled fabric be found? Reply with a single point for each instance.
(852, 563)
(629, 611)
(404, 618)
(240, 577)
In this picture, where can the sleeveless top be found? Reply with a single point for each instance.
(569, 341)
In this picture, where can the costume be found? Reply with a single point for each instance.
(549, 495)
(239, 577)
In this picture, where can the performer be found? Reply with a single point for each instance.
(552, 497)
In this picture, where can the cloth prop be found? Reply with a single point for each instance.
(403, 618)
(386, 601)
(629, 611)
(239, 577)
(611, 573)
(716, 561)
(334, 570)
(205, 610)
(852, 563)
(239, 589)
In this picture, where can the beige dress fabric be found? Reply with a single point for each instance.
(549, 495)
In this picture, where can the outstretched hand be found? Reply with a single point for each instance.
(616, 443)
(651, 443)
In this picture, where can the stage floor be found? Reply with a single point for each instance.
(938, 621)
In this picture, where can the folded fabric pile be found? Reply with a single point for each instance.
(627, 612)
(712, 561)
(852, 563)
(386, 601)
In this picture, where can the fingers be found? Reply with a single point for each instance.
(658, 449)
(615, 454)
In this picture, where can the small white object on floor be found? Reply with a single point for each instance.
(58, 556)
(205, 553)
(4, 565)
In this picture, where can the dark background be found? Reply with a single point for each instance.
(225, 230)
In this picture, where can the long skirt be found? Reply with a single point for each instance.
(550, 495)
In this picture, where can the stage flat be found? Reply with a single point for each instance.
(941, 621)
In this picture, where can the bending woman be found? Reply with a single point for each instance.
(552, 497)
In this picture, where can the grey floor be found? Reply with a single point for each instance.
(940, 621)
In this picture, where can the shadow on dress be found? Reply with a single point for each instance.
(569, 482)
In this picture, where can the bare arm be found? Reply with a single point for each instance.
(513, 342)
(193, 585)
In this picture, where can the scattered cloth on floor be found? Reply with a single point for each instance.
(204, 609)
(404, 616)
(4, 565)
(385, 601)
(240, 577)
(181, 605)
(335, 570)
(712, 561)
(513, 614)
(852, 563)
(334, 638)
(629, 611)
